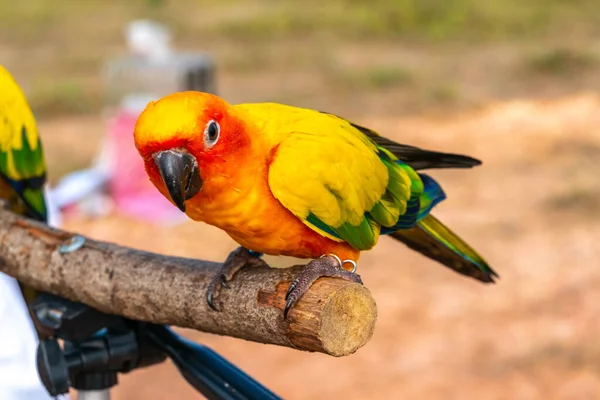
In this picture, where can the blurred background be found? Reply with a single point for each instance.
(514, 83)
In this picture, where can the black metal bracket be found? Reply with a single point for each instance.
(97, 347)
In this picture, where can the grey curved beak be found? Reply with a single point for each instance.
(179, 171)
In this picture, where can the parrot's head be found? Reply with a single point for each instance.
(188, 141)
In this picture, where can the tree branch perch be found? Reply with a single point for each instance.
(335, 317)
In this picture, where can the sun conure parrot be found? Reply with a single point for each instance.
(22, 165)
(282, 180)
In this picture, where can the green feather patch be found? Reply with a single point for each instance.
(26, 161)
(387, 211)
(362, 237)
(416, 187)
(398, 183)
(35, 199)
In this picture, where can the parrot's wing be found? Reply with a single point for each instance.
(340, 183)
(417, 158)
(22, 165)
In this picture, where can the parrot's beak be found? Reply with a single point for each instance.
(179, 171)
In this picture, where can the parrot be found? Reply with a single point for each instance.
(22, 163)
(289, 181)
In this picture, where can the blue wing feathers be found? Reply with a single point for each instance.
(432, 195)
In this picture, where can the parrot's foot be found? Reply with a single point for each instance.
(330, 266)
(237, 259)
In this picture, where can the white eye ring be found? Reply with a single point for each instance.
(212, 132)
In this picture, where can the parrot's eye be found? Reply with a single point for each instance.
(211, 133)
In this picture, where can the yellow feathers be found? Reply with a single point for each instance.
(17, 124)
(350, 177)
(176, 114)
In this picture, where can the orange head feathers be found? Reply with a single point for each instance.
(189, 140)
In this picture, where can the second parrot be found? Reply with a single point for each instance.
(22, 166)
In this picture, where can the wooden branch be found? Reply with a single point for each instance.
(335, 317)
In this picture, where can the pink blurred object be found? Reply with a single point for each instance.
(130, 188)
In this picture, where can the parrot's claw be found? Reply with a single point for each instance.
(329, 266)
(291, 288)
(237, 259)
(209, 300)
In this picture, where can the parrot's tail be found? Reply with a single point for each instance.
(434, 240)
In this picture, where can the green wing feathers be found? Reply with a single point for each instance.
(22, 164)
(386, 212)
(393, 203)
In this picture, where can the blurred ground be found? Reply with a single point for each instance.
(379, 57)
(531, 209)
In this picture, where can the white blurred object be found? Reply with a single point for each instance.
(83, 191)
(149, 39)
(19, 379)
(77, 185)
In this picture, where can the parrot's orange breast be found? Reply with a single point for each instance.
(240, 202)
